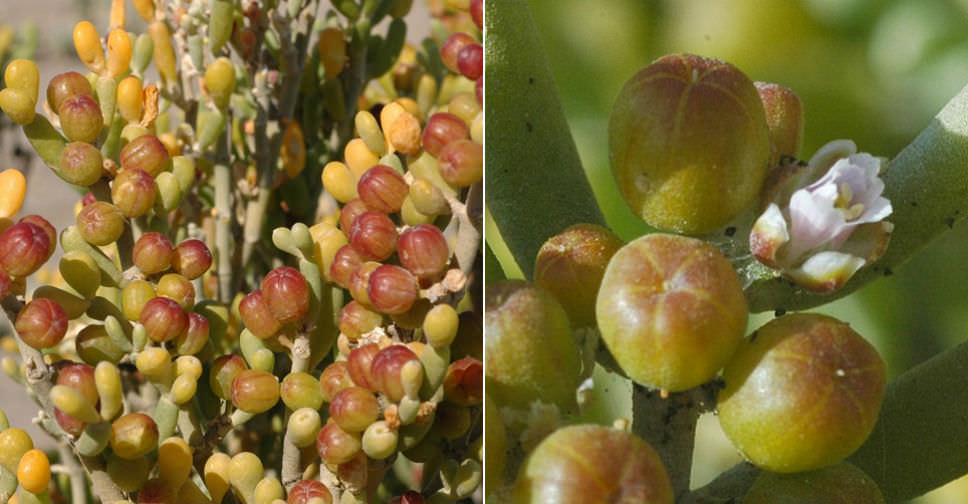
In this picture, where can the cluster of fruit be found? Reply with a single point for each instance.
(178, 367)
(798, 395)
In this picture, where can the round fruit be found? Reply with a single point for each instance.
(531, 354)
(843, 483)
(802, 392)
(688, 143)
(591, 463)
(671, 310)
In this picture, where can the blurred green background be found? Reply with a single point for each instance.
(869, 70)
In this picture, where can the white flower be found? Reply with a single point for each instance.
(832, 226)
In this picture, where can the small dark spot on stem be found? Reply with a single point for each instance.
(529, 126)
(779, 312)
(531, 80)
(914, 204)
(754, 335)
(950, 222)
(730, 231)
(888, 272)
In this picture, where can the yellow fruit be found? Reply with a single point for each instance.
(22, 74)
(87, 43)
(332, 51)
(130, 99)
(119, 52)
(33, 472)
(14, 443)
(293, 150)
(220, 81)
(13, 186)
(17, 105)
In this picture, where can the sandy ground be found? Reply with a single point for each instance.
(47, 195)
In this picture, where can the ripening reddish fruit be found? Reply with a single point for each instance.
(672, 311)
(163, 319)
(41, 323)
(223, 373)
(843, 483)
(374, 236)
(304, 490)
(81, 164)
(382, 189)
(191, 258)
(571, 264)
(66, 85)
(423, 250)
(579, 464)
(345, 262)
(359, 364)
(349, 213)
(152, 253)
(100, 223)
(441, 129)
(255, 391)
(477, 13)
(133, 192)
(470, 61)
(354, 409)
(334, 378)
(386, 370)
(145, 153)
(336, 446)
(451, 49)
(46, 226)
(461, 163)
(24, 247)
(257, 317)
(392, 289)
(464, 382)
(286, 293)
(355, 319)
(80, 118)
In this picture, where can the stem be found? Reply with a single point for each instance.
(76, 472)
(291, 467)
(669, 424)
(223, 220)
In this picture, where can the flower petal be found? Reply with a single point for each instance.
(768, 235)
(826, 271)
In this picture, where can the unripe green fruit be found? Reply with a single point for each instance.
(570, 266)
(590, 463)
(802, 392)
(843, 483)
(100, 223)
(671, 310)
(689, 143)
(80, 164)
(531, 354)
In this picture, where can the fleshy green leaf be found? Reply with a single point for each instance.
(535, 183)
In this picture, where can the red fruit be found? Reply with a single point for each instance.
(48, 228)
(336, 446)
(152, 253)
(133, 192)
(441, 129)
(452, 47)
(424, 251)
(360, 364)
(464, 382)
(257, 317)
(383, 189)
(191, 258)
(145, 153)
(334, 378)
(374, 236)
(163, 319)
(345, 262)
(477, 13)
(42, 323)
(24, 247)
(66, 85)
(470, 61)
(286, 293)
(350, 211)
(354, 409)
(462, 163)
(392, 289)
(81, 119)
(386, 367)
(301, 492)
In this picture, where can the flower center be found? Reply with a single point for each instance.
(844, 196)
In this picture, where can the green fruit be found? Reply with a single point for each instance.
(802, 392)
(590, 463)
(839, 484)
(689, 143)
(671, 311)
(531, 354)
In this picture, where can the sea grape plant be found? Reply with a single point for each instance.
(269, 291)
(740, 222)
